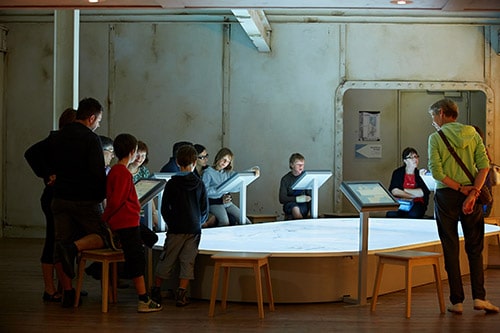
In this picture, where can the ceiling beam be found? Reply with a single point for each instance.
(441, 5)
(257, 27)
(472, 5)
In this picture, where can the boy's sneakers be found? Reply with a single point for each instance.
(480, 304)
(149, 306)
(156, 294)
(181, 298)
(457, 308)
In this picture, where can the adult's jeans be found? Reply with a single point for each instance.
(448, 210)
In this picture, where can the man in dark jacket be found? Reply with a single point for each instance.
(79, 189)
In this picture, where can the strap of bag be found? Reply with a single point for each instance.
(454, 154)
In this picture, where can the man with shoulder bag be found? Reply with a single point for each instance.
(456, 152)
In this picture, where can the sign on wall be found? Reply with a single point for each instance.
(368, 151)
(369, 130)
(369, 125)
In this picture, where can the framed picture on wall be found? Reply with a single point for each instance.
(369, 125)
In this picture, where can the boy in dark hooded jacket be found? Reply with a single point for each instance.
(184, 208)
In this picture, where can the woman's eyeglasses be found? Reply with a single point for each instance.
(203, 157)
(412, 157)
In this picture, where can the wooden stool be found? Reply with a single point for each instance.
(493, 221)
(106, 257)
(259, 218)
(409, 259)
(246, 260)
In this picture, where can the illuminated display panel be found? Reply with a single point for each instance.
(368, 195)
(147, 189)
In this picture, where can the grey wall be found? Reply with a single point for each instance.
(166, 82)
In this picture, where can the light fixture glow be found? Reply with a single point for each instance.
(401, 2)
(93, 1)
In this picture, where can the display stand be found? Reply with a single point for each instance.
(238, 182)
(366, 197)
(312, 180)
(165, 176)
(429, 181)
(147, 190)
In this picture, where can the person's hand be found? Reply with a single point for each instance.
(466, 189)
(52, 179)
(303, 198)
(155, 218)
(256, 170)
(468, 204)
(226, 198)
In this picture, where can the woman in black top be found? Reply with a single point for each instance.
(409, 187)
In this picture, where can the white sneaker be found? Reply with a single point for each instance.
(480, 304)
(150, 306)
(457, 308)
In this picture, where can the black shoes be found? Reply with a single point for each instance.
(67, 254)
(54, 298)
(68, 300)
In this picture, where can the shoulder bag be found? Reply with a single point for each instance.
(485, 196)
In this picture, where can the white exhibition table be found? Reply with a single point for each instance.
(316, 260)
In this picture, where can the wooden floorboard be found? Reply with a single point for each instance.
(22, 310)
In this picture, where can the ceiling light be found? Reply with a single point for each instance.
(401, 2)
(93, 1)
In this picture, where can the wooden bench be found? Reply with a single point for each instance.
(339, 215)
(256, 261)
(259, 218)
(409, 259)
(493, 221)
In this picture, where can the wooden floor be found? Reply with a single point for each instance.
(22, 310)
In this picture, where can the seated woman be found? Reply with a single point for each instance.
(202, 160)
(201, 165)
(139, 171)
(406, 184)
(222, 206)
(138, 167)
(296, 203)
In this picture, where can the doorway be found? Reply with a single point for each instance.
(401, 119)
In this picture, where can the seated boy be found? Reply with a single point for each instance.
(296, 203)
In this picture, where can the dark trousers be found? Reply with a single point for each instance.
(48, 247)
(133, 251)
(448, 210)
